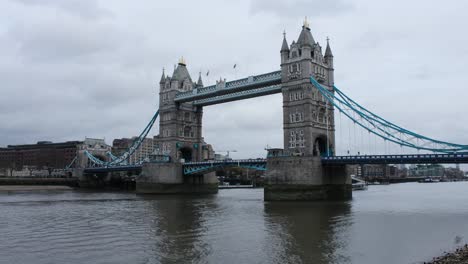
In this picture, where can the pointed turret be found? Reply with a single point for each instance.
(305, 38)
(163, 77)
(284, 49)
(199, 82)
(328, 52)
(285, 46)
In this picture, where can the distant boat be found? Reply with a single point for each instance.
(358, 184)
(428, 180)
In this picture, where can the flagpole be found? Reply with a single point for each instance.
(235, 71)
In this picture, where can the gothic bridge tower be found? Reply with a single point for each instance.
(180, 137)
(307, 117)
(180, 125)
(296, 172)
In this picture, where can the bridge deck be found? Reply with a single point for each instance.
(397, 159)
(252, 86)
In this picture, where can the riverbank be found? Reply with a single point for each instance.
(23, 188)
(72, 182)
(459, 256)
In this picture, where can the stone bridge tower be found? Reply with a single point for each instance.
(308, 118)
(296, 172)
(180, 137)
(180, 125)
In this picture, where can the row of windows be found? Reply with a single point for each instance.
(296, 139)
(184, 85)
(296, 117)
(186, 132)
(187, 116)
(295, 67)
(319, 70)
(294, 96)
(183, 132)
(166, 117)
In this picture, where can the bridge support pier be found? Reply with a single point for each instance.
(168, 178)
(305, 178)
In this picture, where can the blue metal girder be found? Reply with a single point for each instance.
(397, 159)
(272, 89)
(250, 83)
(207, 166)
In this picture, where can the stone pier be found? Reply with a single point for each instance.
(305, 178)
(168, 178)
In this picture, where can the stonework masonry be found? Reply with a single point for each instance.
(180, 138)
(309, 129)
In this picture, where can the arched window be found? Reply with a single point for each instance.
(187, 131)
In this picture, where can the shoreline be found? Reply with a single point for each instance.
(459, 256)
(27, 188)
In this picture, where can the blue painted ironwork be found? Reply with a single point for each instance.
(135, 145)
(71, 163)
(245, 94)
(397, 159)
(382, 128)
(191, 168)
(250, 83)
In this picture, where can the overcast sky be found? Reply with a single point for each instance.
(71, 69)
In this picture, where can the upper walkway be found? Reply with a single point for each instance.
(397, 159)
(252, 86)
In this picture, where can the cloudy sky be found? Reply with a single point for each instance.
(71, 69)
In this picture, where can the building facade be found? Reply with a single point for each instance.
(46, 154)
(43, 154)
(120, 146)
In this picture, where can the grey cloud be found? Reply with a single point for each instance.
(300, 8)
(88, 9)
(46, 42)
(69, 70)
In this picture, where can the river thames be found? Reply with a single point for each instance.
(401, 223)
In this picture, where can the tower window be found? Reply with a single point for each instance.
(188, 131)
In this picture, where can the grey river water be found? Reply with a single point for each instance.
(401, 223)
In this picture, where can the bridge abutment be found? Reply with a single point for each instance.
(168, 178)
(305, 178)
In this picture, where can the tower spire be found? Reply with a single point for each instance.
(199, 82)
(163, 77)
(182, 61)
(306, 23)
(285, 46)
(328, 52)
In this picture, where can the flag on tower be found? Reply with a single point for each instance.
(235, 65)
(207, 73)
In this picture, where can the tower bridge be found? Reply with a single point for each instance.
(307, 167)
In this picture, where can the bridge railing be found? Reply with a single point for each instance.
(224, 161)
(398, 159)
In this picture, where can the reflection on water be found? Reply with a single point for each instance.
(405, 223)
(306, 231)
(177, 225)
